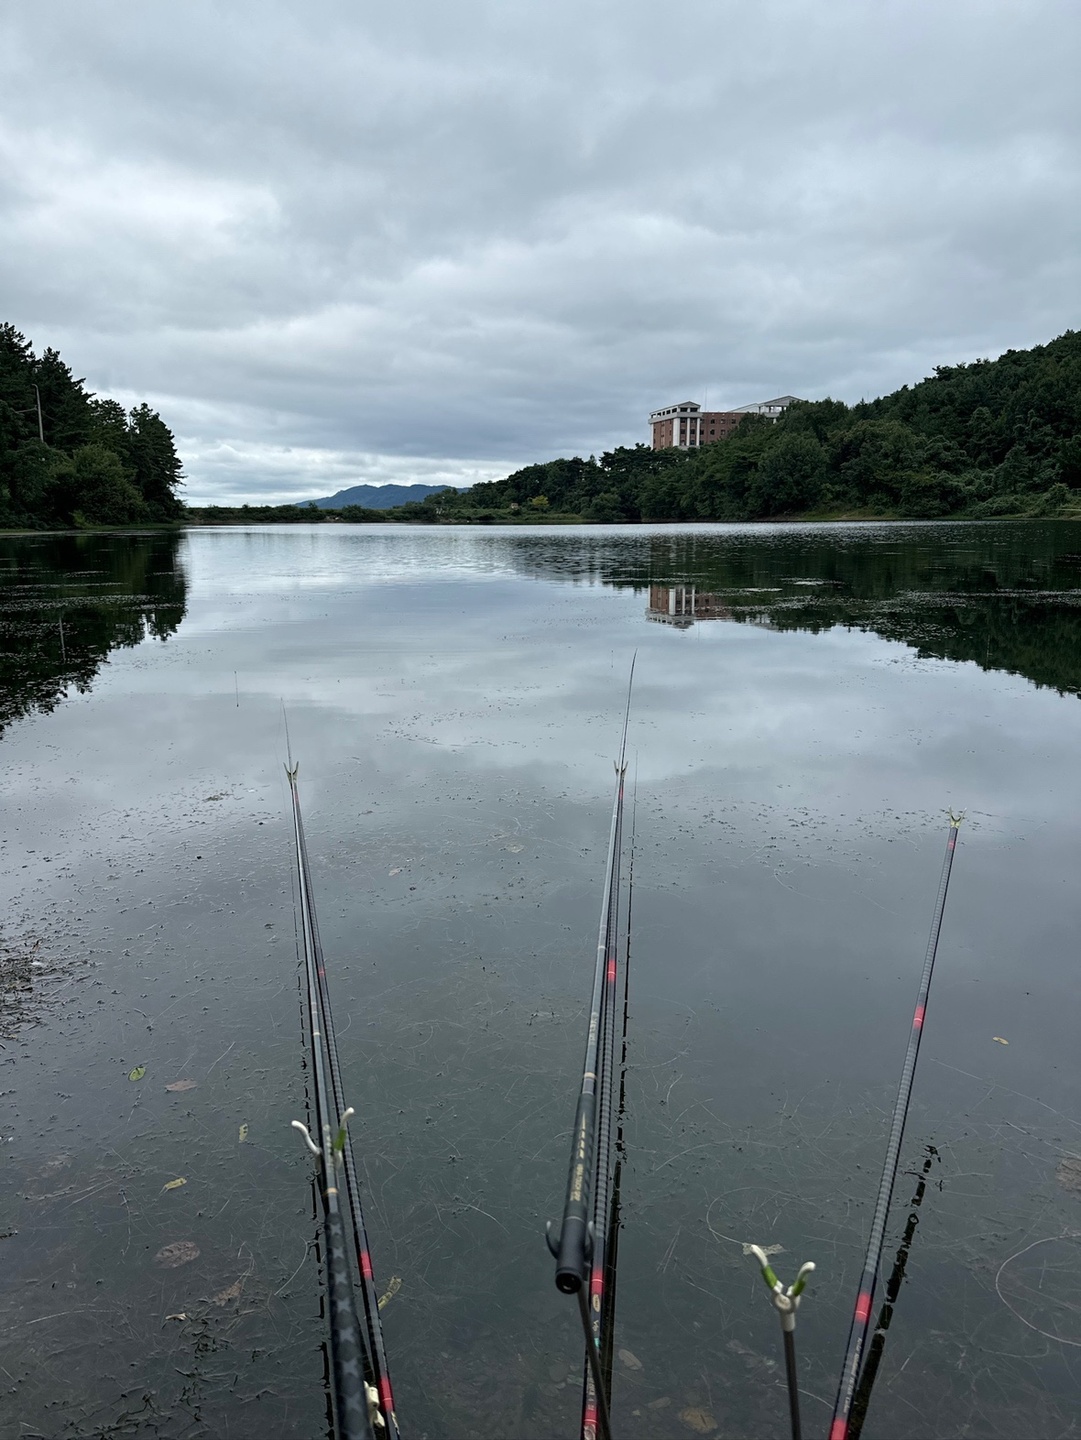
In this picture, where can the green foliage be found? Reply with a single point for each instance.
(154, 462)
(286, 515)
(998, 437)
(791, 476)
(93, 488)
(992, 438)
(96, 465)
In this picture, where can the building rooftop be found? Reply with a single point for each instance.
(780, 403)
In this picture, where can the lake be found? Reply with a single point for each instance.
(809, 701)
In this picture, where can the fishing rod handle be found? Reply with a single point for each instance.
(347, 1356)
(574, 1244)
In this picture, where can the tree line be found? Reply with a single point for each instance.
(70, 458)
(980, 440)
(990, 438)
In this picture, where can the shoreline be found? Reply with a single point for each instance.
(568, 522)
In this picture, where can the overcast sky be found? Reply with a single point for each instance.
(435, 241)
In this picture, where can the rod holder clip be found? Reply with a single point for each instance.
(339, 1139)
(785, 1302)
(305, 1135)
(375, 1413)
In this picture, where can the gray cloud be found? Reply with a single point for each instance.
(416, 241)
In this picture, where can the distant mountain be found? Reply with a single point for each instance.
(378, 497)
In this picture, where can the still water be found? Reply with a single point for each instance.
(808, 702)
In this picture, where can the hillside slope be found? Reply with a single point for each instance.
(993, 437)
(378, 497)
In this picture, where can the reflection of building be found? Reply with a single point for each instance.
(687, 426)
(682, 605)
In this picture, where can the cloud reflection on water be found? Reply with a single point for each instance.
(455, 700)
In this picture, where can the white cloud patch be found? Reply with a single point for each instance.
(451, 240)
(228, 471)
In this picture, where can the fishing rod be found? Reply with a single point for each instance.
(608, 1317)
(363, 1397)
(581, 1244)
(869, 1372)
(602, 1258)
(840, 1428)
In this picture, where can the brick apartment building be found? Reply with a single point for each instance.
(687, 425)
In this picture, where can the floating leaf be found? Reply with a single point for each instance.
(178, 1252)
(631, 1360)
(175, 1184)
(999, 1040)
(137, 1073)
(393, 1286)
(179, 1085)
(698, 1420)
(396, 871)
(243, 1134)
(231, 1293)
(180, 1316)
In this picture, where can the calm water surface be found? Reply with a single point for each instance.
(808, 702)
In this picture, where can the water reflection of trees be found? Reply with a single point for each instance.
(1006, 596)
(66, 601)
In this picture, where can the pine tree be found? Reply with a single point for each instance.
(155, 464)
(67, 417)
(97, 464)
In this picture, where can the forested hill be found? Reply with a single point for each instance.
(994, 437)
(378, 497)
(96, 465)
